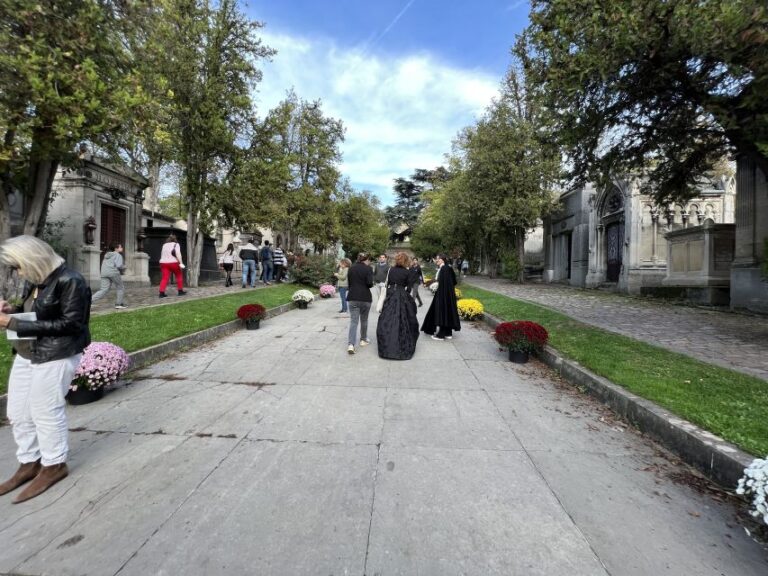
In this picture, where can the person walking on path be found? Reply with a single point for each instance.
(380, 275)
(342, 274)
(360, 280)
(227, 262)
(416, 279)
(171, 263)
(45, 360)
(267, 263)
(249, 255)
(398, 329)
(443, 313)
(280, 263)
(112, 269)
(464, 267)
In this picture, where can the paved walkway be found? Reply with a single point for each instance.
(274, 452)
(735, 341)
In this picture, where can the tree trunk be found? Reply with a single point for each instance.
(38, 197)
(520, 248)
(153, 191)
(194, 247)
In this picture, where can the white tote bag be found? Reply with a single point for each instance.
(382, 296)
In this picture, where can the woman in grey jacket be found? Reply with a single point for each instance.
(112, 269)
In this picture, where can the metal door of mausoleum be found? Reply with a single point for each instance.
(614, 248)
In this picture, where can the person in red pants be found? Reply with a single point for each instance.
(171, 262)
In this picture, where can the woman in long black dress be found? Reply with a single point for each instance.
(398, 328)
(443, 313)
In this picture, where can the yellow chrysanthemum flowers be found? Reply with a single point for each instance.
(470, 309)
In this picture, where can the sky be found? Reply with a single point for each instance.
(404, 76)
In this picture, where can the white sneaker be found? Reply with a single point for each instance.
(449, 337)
(351, 349)
(364, 342)
(121, 306)
(437, 337)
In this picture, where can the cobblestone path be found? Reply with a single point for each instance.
(736, 341)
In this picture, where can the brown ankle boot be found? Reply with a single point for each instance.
(47, 477)
(25, 473)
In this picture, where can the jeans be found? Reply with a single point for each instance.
(36, 408)
(358, 311)
(343, 296)
(249, 265)
(268, 270)
(106, 284)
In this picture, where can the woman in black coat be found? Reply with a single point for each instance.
(443, 313)
(398, 329)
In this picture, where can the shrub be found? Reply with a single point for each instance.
(470, 309)
(521, 336)
(314, 270)
(102, 364)
(251, 312)
(511, 266)
(327, 291)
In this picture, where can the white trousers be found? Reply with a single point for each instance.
(36, 408)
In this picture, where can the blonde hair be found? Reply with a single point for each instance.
(34, 258)
(402, 259)
(346, 262)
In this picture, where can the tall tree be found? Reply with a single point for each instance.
(660, 87)
(66, 78)
(361, 222)
(209, 62)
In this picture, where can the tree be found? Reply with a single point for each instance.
(661, 88)
(361, 223)
(289, 178)
(209, 64)
(66, 78)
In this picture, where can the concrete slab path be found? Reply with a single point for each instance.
(274, 452)
(735, 341)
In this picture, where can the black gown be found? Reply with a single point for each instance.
(443, 311)
(398, 329)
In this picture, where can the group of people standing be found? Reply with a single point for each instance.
(273, 261)
(397, 330)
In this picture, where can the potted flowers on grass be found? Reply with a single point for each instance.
(101, 365)
(521, 338)
(327, 291)
(755, 483)
(303, 298)
(251, 314)
(470, 309)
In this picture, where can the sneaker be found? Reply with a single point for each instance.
(437, 337)
(121, 306)
(365, 342)
(351, 349)
(163, 295)
(449, 337)
(181, 293)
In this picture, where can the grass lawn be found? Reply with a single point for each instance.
(724, 402)
(140, 328)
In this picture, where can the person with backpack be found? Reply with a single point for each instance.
(249, 255)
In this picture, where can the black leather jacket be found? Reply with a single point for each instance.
(63, 308)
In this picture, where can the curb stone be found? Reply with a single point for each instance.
(151, 354)
(717, 459)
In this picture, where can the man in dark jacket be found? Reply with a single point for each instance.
(360, 279)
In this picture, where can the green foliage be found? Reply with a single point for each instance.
(655, 87)
(361, 224)
(512, 268)
(314, 270)
(53, 235)
(727, 403)
(136, 329)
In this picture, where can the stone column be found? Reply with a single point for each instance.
(91, 265)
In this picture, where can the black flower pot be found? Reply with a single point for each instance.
(252, 323)
(302, 304)
(84, 396)
(518, 356)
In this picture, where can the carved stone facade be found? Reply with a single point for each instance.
(616, 236)
(94, 204)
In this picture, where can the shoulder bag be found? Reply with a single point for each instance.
(382, 295)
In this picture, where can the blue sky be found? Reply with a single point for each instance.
(403, 75)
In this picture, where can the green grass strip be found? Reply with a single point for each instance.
(137, 329)
(727, 403)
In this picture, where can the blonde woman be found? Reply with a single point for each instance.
(44, 365)
(343, 283)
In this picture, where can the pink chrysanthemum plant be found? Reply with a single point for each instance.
(327, 291)
(101, 365)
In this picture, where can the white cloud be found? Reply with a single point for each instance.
(400, 113)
